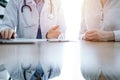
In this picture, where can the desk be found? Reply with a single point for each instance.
(77, 60)
(15, 57)
(100, 58)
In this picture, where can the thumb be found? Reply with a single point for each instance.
(55, 27)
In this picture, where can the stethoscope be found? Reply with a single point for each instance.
(24, 70)
(51, 8)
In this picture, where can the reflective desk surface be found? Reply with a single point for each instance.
(76, 60)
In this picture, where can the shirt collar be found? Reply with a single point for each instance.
(33, 1)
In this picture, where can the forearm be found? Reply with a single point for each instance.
(109, 35)
(3, 27)
(10, 15)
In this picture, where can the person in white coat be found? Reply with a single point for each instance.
(34, 19)
(23, 21)
(100, 20)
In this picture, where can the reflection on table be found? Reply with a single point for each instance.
(75, 60)
(19, 57)
(100, 60)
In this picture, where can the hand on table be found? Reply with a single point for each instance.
(98, 35)
(53, 32)
(8, 34)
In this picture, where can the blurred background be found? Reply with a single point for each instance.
(72, 12)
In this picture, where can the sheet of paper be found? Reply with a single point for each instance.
(20, 41)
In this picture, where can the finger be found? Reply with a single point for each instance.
(2, 34)
(57, 33)
(83, 38)
(55, 27)
(89, 38)
(86, 35)
(6, 33)
(10, 33)
(93, 38)
(91, 35)
(90, 31)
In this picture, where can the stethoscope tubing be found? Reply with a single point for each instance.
(25, 5)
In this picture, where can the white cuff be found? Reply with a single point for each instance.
(3, 28)
(117, 35)
(81, 36)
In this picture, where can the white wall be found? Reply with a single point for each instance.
(72, 11)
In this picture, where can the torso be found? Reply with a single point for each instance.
(111, 11)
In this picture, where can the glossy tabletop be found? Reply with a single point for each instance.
(74, 60)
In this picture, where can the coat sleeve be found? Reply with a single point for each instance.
(10, 15)
(117, 35)
(60, 19)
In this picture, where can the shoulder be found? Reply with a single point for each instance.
(14, 2)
